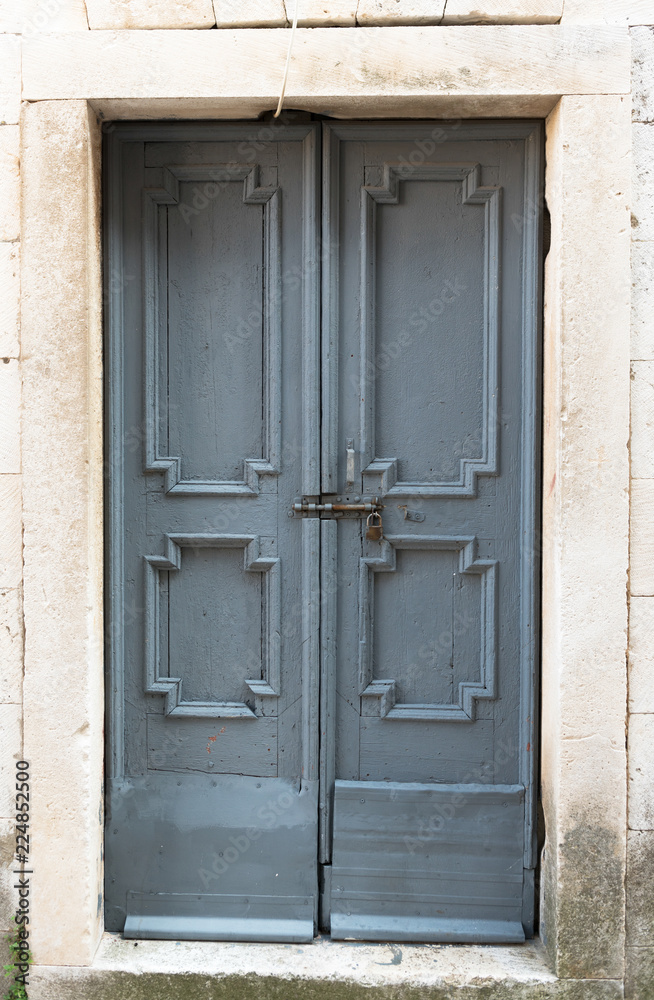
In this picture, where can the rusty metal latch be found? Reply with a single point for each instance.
(326, 507)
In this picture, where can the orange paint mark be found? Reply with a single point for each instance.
(212, 739)
(528, 747)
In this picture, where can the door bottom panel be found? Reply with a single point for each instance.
(213, 858)
(371, 927)
(427, 862)
(215, 917)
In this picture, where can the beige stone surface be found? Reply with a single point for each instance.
(129, 14)
(642, 73)
(642, 301)
(316, 14)
(642, 419)
(341, 106)
(641, 770)
(641, 654)
(643, 182)
(12, 16)
(641, 12)
(327, 965)
(608, 12)
(388, 12)
(9, 79)
(11, 556)
(250, 13)
(62, 462)
(10, 752)
(503, 11)
(53, 15)
(327, 65)
(9, 182)
(9, 299)
(641, 563)
(9, 415)
(11, 646)
(585, 535)
(29, 16)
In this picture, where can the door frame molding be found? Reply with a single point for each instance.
(586, 397)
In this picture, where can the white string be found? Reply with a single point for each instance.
(288, 61)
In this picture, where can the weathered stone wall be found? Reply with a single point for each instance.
(30, 361)
(640, 857)
(11, 557)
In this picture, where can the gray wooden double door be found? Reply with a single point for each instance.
(308, 729)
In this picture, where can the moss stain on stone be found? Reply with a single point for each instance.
(590, 915)
(59, 984)
(639, 977)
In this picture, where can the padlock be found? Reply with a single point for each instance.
(374, 532)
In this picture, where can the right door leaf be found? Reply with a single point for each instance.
(430, 365)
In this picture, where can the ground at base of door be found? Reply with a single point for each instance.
(167, 970)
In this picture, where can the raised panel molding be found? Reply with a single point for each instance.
(378, 695)
(264, 689)
(380, 474)
(163, 189)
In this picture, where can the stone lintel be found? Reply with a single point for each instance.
(328, 65)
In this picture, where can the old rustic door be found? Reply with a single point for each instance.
(312, 724)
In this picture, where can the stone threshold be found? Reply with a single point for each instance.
(324, 970)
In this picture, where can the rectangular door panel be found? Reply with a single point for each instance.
(216, 325)
(426, 255)
(188, 745)
(402, 752)
(430, 361)
(212, 807)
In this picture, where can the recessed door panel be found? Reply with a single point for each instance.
(215, 380)
(426, 301)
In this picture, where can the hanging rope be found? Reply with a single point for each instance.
(288, 61)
